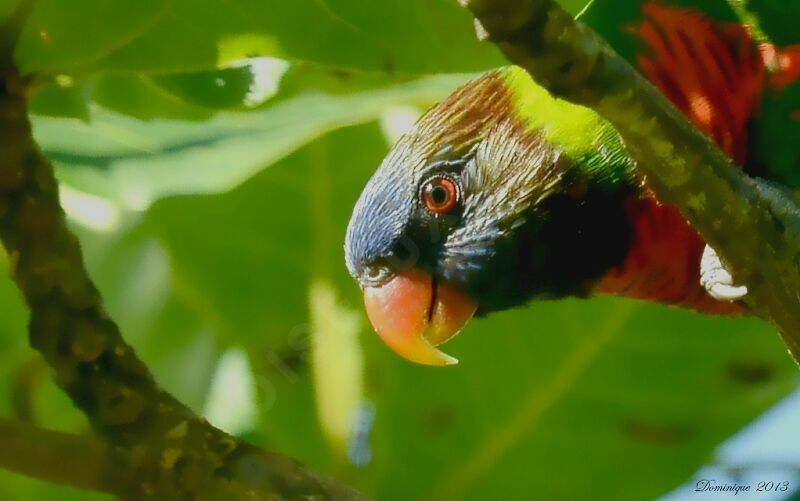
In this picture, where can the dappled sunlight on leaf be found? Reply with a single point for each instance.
(338, 365)
(91, 211)
(397, 121)
(231, 400)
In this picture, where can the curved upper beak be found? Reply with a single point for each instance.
(413, 313)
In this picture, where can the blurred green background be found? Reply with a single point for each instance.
(210, 154)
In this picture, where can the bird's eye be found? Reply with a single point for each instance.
(440, 195)
(376, 274)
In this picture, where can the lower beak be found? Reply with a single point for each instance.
(413, 313)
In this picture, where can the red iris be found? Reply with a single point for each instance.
(440, 195)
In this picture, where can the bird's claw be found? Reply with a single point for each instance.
(717, 280)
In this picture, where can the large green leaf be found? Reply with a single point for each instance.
(186, 47)
(601, 399)
(7, 8)
(63, 35)
(575, 400)
(396, 36)
(417, 36)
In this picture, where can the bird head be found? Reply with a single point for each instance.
(478, 209)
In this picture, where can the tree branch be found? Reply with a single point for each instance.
(179, 455)
(77, 461)
(755, 228)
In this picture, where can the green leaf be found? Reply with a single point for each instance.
(600, 399)
(198, 96)
(61, 35)
(186, 47)
(136, 162)
(228, 88)
(775, 137)
(66, 102)
(414, 36)
(139, 97)
(7, 8)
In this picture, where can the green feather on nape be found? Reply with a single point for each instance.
(583, 135)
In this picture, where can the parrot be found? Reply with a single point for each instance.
(503, 194)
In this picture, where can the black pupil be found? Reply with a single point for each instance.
(439, 195)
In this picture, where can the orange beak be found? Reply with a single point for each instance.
(413, 314)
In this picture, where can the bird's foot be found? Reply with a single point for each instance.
(717, 280)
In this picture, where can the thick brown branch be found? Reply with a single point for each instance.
(754, 228)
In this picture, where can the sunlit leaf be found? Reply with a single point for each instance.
(338, 364)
